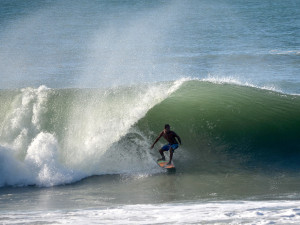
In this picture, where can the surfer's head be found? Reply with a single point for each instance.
(167, 127)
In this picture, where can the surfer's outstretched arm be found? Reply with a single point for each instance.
(152, 146)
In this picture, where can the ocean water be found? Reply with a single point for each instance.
(86, 87)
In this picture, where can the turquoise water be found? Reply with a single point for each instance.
(86, 87)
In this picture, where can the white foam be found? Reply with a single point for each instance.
(222, 212)
(32, 155)
(24, 122)
(43, 162)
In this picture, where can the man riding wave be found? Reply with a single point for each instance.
(171, 137)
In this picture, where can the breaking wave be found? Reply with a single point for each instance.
(57, 136)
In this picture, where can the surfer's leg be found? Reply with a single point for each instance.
(161, 151)
(172, 149)
(171, 155)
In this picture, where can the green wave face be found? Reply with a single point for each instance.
(225, 125)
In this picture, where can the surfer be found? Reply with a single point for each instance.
(170, 136)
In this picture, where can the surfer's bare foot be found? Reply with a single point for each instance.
(169, 163)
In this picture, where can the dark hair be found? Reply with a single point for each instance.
(167, 125)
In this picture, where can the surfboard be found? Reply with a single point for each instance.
(163, 164)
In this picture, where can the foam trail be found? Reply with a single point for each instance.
(226, 212)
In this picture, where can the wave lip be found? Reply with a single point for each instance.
(237, 81)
